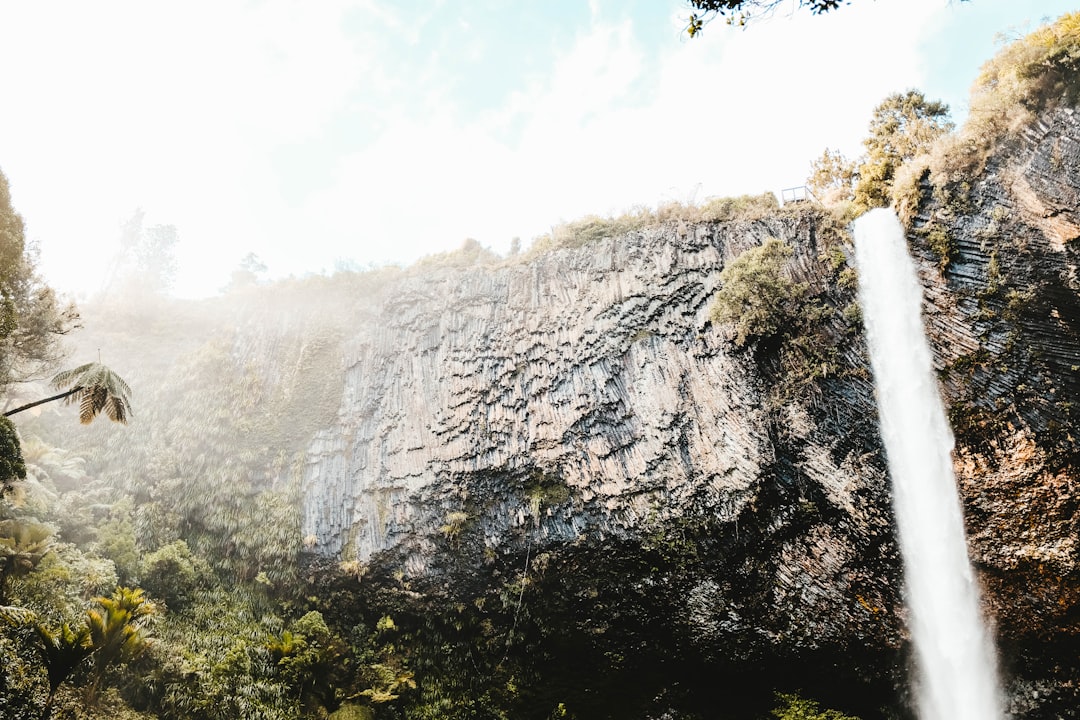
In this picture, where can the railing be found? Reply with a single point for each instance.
(800, 193)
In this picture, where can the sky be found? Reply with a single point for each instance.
(330, 133)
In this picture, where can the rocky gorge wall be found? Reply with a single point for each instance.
(578, 410)
(589, 489)
(580, 403)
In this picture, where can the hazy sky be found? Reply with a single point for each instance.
(382, 130)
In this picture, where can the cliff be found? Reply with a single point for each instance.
(581, 488)
(580, 408)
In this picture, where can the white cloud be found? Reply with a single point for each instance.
(729, 113)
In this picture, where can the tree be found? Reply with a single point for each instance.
(902, 126)
(118, 631)
(95, 387)
(171, 574)
(12, 465)
(792, 707)
(22, 545)
(248, 274)
(32, 319)
(832, 177)
(145, 267)
(62, 651)
(739, 12)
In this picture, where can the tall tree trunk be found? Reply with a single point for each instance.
(27, 406)
(46, 713)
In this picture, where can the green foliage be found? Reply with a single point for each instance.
(545, 491)
(792, 707)
(117, 541)
(590, 229)
(594, 228)
(172, 574)
(743, 208)
(118, 631)
(832, 178)
(12, 465)
(942, 244)
(349, 711)
(22, 545)
(16, 616)
(470, 254)
(903, 126)
(1034, 74)
(739, 12)
(59, 586)
(31, 317)
(755, 296)
(454, 526)
(62, 651)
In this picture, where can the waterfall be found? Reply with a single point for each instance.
(955, 662)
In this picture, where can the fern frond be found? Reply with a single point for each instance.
(67, 378)
(115, 410)
(16, 616)
(96, 388)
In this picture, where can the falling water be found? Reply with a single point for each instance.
(957, 678)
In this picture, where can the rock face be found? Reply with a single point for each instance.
(1004, 318)
(581, 394)
(578, 409)
(592, 371)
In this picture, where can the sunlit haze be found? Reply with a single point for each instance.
(369, 131)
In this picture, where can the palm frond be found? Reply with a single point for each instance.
(16, 616)
(96, 388)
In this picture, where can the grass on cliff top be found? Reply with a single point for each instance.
(1035, 74)
(589, 229)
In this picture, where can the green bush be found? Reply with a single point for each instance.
(903, 126)
(172, 574)
(792, 707)
(348, 711)
(755, 295)
(1035, 73)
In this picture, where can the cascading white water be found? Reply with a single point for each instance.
(957, 675)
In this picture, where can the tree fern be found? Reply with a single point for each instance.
(96, 388)
(62, 651)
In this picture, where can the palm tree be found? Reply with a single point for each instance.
(117, 632)
(62, 651)
(22, 545)
(95, 387)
